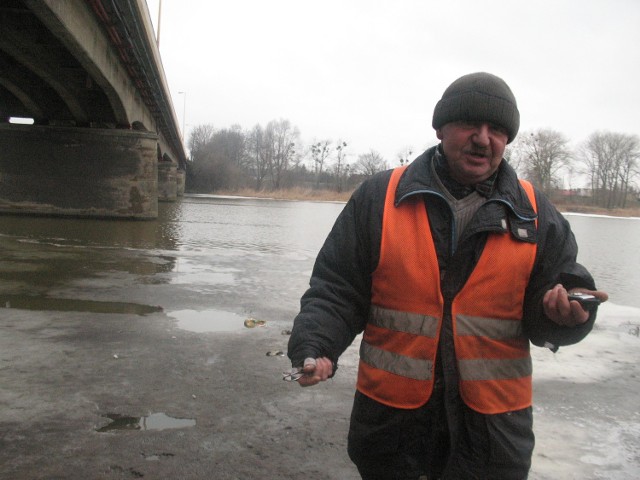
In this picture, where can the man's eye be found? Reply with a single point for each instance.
(466, 124)
(498, 129)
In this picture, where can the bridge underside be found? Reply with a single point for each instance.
(78, 172)
(86, 72)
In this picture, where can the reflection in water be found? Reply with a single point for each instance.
(161, 233)
(66, 264)
(155, 421)
(32, 302)
(214, 261)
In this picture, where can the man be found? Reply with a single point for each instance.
(450, 266)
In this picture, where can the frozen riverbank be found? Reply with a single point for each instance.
(587, 413)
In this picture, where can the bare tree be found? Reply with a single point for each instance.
(199, 138)
(340, 168)
(541, 155)
(369, 164)
(235, 146)
(281, 139)
(515, 160)
(227, 150)
(629, 167)
(404, 157)
(200, 167)
(611, 161)
(320, 151)
(258, 155)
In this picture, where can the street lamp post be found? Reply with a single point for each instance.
(184, 111)
(159, 20)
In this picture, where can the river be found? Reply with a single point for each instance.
(205, 257)
(226, 256)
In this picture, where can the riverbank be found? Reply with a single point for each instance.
(313, 195)
(589, 210)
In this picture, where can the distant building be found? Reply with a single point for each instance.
(576, 192)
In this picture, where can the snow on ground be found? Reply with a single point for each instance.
(587, 403)
(614, 341)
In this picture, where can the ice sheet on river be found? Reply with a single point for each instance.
(586, 403)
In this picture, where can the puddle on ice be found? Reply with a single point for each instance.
(154, 421)
(208, 320)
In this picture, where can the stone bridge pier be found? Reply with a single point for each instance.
(80, 172)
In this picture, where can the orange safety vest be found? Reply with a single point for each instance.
(400, 342)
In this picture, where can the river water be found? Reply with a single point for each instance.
(211, 261)
(608, 247)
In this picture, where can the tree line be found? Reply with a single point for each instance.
(607, 161)
(273, 157)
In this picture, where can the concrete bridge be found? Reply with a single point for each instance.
(104, 141)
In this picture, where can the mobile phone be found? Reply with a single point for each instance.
(585, 299)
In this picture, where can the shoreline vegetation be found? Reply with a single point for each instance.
(319, 195)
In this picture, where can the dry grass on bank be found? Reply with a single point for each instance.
(613, 212)
(310, 194)
(295, 193)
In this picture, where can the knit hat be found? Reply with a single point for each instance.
(479, 97)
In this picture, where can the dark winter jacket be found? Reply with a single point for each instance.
(336, 306)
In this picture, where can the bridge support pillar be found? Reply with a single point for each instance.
(167, 182)
(182, 178)
(78, 172)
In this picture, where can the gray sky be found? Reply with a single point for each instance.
(369, 72)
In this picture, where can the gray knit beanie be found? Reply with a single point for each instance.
(479, 97)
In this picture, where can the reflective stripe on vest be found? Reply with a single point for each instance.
(494, 363)
(399, 346)
(416, 327)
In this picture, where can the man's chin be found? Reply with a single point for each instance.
(472, 176)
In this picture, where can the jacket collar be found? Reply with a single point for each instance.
(418, 179)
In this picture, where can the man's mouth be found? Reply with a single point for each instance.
(477, 154)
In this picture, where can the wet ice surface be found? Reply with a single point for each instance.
(153, 421)
(207, 320)
(213, 320)
(586, 403)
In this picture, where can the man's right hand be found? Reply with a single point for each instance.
(315, 370)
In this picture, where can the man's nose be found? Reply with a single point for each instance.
(481, 134)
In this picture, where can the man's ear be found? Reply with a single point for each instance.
(439, 133)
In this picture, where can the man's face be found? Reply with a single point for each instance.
(473, 149)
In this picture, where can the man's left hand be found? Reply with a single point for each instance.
(567, 313)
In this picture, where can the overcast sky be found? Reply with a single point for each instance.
(370, 72)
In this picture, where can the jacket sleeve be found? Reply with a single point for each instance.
(335, 307)
(555, 263)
